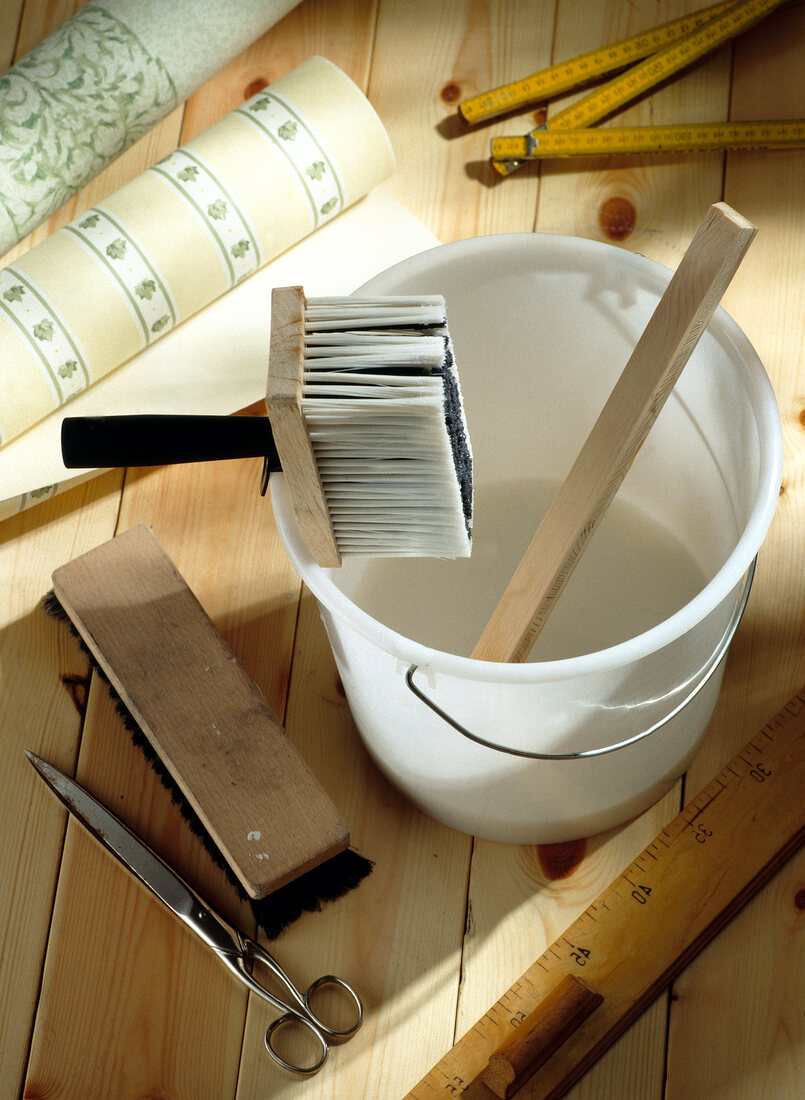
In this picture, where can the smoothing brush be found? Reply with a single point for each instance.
(206, 730)
(365, 419)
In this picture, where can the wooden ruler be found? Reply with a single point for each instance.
(623, 140)
(654, 69)
(595, 980)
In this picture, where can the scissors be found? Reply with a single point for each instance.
(237, 951)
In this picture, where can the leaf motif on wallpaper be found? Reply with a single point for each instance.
(288, 130)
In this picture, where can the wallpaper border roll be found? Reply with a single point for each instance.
(181, 234)
(216, 362)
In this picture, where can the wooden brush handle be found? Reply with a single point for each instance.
(284, 405)
(664, 348)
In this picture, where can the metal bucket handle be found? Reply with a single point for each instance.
(708, 669)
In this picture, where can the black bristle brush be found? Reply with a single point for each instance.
(226, 761)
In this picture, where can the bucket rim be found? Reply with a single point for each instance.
(768, 425)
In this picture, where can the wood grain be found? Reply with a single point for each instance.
(650, 205)
(129, 1006)
(648, 924)
(757, 1048)
(461, 47)
(41, 705)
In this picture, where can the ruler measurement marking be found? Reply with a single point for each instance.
(586, 916)
(692, 897)
(573, 72)
(714, 790)
(664, 63)
(701, 806)
(671, 138)
(793, 707)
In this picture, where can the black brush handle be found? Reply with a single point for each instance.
(164, 440)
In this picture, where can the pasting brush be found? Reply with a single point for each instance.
(365, 420)
(205, 728)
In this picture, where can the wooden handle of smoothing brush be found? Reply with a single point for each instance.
(662, 351)
(291, 438)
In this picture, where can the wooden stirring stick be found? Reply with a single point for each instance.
(667, 343)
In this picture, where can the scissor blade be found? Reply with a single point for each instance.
(135, 855)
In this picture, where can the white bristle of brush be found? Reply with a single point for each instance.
(382, 404)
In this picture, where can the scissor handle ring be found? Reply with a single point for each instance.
(339, 983)
(296, 1018)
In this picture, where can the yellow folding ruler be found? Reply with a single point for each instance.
(658, 53)
(621, 140)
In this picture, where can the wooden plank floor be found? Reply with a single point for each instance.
(102, 995)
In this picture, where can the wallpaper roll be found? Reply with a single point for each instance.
(101, 81)
(215, 363)
(181, 234)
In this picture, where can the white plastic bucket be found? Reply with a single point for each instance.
(552, 750)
